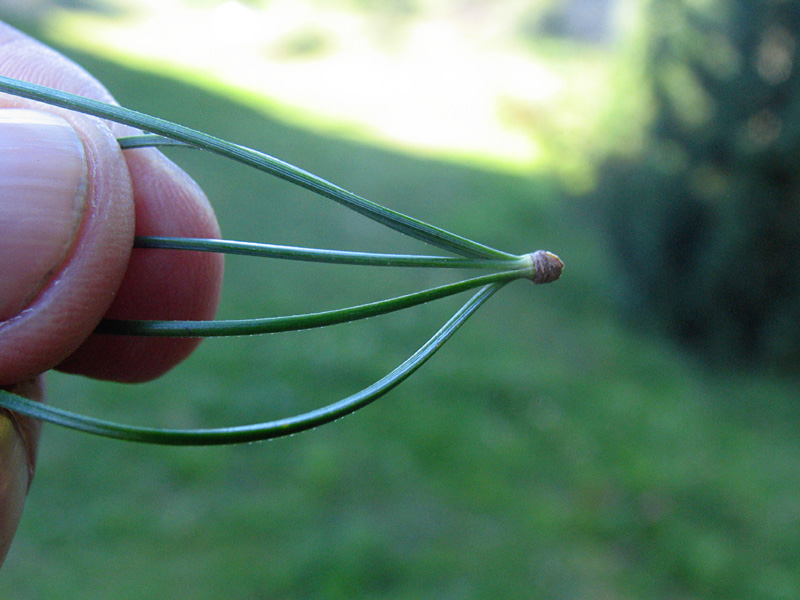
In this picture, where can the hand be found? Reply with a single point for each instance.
(70, 203)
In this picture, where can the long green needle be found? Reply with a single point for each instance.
(260, 431)
(259, 160)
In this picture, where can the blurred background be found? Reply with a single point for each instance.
(629, 432)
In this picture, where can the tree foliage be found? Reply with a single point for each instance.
(707, 220)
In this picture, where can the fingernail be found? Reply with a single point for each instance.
(14, 480)
(43, 182)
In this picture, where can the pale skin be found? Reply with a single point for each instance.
(137, 192)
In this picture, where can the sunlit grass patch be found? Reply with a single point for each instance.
(488, 86)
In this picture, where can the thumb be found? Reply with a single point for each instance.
(66, 226)
(43, 183)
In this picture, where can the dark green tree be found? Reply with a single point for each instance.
(707, 220)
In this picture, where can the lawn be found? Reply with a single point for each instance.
(548, 451)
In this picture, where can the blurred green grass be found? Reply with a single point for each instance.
(547, 451)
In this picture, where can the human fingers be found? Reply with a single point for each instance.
(19, 439)
(157, 284)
